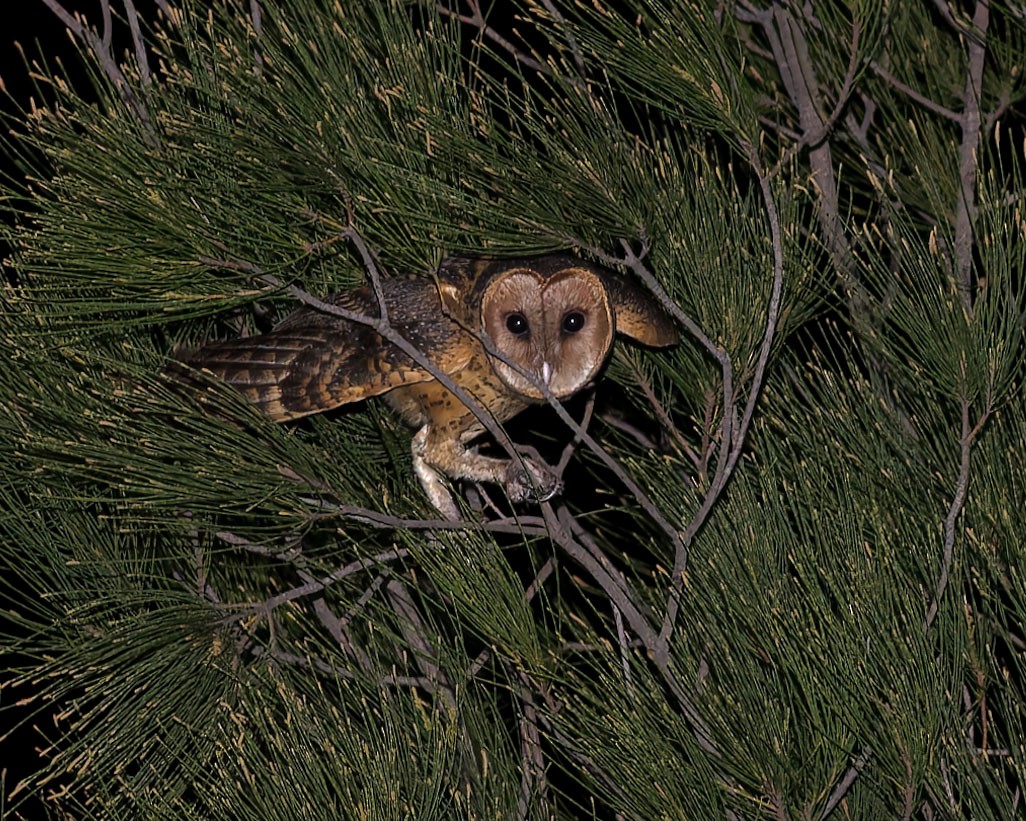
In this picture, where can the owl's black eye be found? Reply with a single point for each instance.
(573, 321)
(516, 324)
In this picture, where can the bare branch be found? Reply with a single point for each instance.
(477, 20)
(643, 439)
(791, 53)
(520, 525)
(108, 25)
(257, 21)
(317, 585)
(101, 49)
(914, 95)
(141, 57)
(373, 272)
(814, 138)
(571, 41)
(841, 790)
(728, 458)
(416, 636)
(534, 784)
(955, 508)
(965, 209)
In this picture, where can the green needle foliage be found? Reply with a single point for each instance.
(786, 577)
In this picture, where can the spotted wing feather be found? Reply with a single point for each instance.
(313, 361)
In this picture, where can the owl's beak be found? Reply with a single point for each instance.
(546, 373)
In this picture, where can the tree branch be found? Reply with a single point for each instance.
(477, 20)
(841, 790)
(101, 49)
(566, 533)
(798, 73)
(955, 508)
(965, 208)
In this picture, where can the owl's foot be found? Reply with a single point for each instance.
(530, 481)
(436, 489)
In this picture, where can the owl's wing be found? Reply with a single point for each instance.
(638, 314)
(314, 361)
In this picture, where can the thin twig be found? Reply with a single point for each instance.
(621, 638)
(107, 40)
(520, 525)
(361, 602)
(477, 20)
(637, 435)
(580, 433)
(571, 446)
(954, 510)
(305, 662)
(101, 49)
(415, 634)
(317, 585)
(841, 790)
(563, 529)
(728, 460)
(661, 414)
(531, 591)
(338, 630)
(920, 99)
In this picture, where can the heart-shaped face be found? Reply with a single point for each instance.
(557, 329)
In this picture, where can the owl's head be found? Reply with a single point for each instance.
(554, 317)
(557, 328)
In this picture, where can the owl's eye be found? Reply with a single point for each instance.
(573, 321)
(516, 324)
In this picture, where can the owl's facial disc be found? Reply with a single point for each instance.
(556, 329)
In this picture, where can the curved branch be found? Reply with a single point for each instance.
(955, 508)
(101, 49)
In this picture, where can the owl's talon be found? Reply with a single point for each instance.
(531, 482)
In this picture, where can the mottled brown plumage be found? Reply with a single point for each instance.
(553, 316)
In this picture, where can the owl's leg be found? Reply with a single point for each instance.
(431, 480)
(438, 454)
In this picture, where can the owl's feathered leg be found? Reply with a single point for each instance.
(436, 455)
(431, 480)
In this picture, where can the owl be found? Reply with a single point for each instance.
(552, 319)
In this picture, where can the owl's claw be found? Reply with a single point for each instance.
(531, 481)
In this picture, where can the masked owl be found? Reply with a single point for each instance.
(551, 318)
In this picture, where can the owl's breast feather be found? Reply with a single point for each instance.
(431, 403)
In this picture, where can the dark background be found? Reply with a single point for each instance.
(24, 35)
(34, 24)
